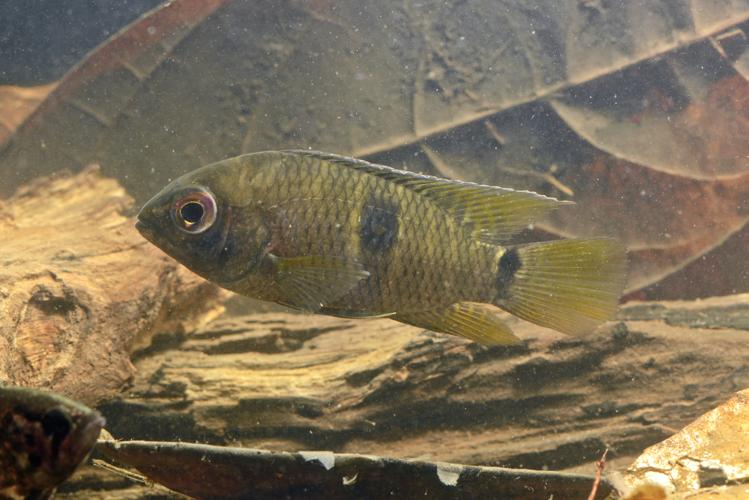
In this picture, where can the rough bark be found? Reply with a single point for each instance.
(293, 382)
(80, 292)
(204, 471)
(79, 288)
(707, 456)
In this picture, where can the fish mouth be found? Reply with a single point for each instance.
(79, 444)
(145, 220)
(145, 229)
(87, 436)
(89, 431)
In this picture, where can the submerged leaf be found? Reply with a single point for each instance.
(16, 103)
(637, 111)
(687, 117)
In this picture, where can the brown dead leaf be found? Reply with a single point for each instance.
(638, 111)
(17, 103)
(685, 116)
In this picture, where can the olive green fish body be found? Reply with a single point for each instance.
(340, 236)
(417, 256)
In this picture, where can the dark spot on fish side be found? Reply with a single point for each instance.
(509, 264)
(35, 460)
(379, 226)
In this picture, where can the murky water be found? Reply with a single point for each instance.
(637, 112)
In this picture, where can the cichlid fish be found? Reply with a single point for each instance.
(344, 237)
(43, 439)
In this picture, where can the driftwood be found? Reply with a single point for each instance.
(709, 455)
(292, 382)
(203, 471)
(84, 301)
(79, 288)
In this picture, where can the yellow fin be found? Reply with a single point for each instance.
(347, 313)
(473, 321)
(492, 214)
(311, 282)
(568, 285)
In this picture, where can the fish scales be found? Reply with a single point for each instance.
(335, 235)
(422, 260)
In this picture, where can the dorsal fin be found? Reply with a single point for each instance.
(492, 214)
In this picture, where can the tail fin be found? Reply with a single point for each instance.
(568, 285)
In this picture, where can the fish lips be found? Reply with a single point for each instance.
(74, 450)
(85, 436)
(153, 213)
(147, 221)
(145, 230)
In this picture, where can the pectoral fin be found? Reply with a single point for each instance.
(311, 282)
(472, 321)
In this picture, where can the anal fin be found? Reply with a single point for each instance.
(477, 322)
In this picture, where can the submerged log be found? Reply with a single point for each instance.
(291, 382)
(705, 458)
(79, 288)
(81, 292)
(203, 471)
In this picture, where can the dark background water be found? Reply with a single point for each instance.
(41, 39)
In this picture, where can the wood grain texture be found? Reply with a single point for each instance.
(79, 287)
(204, 471)
(289, 382)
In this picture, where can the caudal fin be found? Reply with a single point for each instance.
(568, 285)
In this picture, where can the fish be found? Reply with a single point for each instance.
(43, 438)
(334, 235)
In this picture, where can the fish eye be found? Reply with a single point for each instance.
(195, 211)
(56, 423)
(191, 212)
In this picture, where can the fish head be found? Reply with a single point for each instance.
(69, 437)
(208, 222)
(46, 437)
